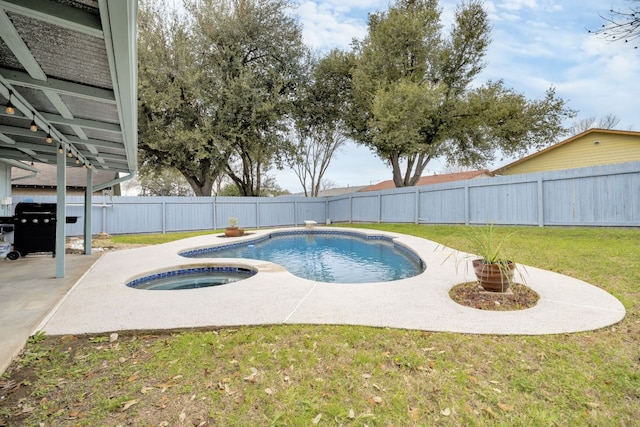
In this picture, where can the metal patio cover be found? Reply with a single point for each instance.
(71, 65)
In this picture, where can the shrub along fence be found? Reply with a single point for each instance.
(595, 196)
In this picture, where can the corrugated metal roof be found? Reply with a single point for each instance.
(72, 64)
(86, 109)
(85, 58)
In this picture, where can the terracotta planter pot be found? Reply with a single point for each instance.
(233, 231)
(494, 277)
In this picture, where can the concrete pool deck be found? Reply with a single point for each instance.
(100, 302)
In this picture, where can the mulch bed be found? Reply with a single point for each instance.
(471, 294)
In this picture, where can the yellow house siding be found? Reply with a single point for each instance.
(582, 152)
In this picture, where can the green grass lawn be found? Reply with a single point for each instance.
(301, 375)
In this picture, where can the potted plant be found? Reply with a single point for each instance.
(494, 268)
(232, 229)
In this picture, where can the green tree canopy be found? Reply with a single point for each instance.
(414, 95)
(173, 123)
(318, 128)
(216, 85)
(252, 54)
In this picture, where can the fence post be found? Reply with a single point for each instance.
(379, 208)
(104, 214)
(257, 213)
(164, 217)
(326, 210)
(467, 204)
(416, 211)
(214, 213)
(350, 209)
(540, 203)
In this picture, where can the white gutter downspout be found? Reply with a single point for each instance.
(20, 165)
(113, 182)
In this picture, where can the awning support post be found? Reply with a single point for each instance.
(87, 211)
(61, 212)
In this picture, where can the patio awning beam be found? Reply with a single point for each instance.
(85, 123)
(19, 78)
(94, 142)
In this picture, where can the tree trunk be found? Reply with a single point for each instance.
(394, 159)
(201, 188)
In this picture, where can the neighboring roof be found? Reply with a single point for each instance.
(72, 66)
(46, 178)
(335, 191)
(434, 179)
(566, 141)
(340, 191)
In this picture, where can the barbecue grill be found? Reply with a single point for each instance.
(35, 227)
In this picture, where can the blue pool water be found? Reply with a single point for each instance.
(325, 257)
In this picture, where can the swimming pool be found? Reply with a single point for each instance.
(337, 257)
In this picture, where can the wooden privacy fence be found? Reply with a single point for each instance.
(596, 196)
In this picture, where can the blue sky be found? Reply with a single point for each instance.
(535, 44)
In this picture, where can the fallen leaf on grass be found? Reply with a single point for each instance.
(414, 413)
(504, 407)
(376, 400)
(490, 412)
(145, 390)
(128, 404)
(316, 420)
(163, 402)
(165, 386)
(445, 412)
(268, 391)
(352, 414)
(28, 408)
(253, 376)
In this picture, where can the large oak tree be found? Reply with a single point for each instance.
(174, 125)
(415, 96)
(217, 81)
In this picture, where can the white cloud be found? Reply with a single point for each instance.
(518, 4)
(325, 29)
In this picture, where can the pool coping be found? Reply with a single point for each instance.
(100, 302)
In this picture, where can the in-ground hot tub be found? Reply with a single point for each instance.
(191, 278)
